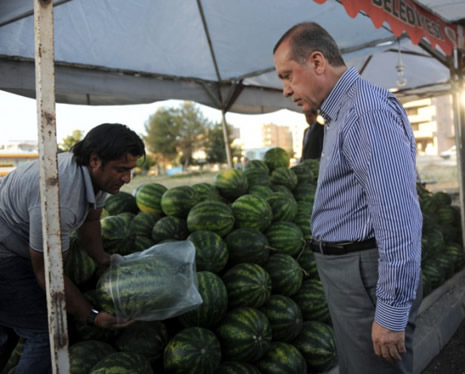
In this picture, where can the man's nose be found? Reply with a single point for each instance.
(127, 176)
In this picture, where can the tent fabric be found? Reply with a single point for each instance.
(406, 16)
(215, 52)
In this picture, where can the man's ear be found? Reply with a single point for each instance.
(94, 161)
(318, 61)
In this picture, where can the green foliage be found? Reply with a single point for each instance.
(71, 140)
(214, 145)
(176, 132)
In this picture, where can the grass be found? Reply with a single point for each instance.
(170, 181)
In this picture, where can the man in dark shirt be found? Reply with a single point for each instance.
(312, 144)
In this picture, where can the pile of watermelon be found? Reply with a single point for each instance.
(264, 309)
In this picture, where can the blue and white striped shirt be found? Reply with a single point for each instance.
(367, 188)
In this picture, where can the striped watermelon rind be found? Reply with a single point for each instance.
(282, 358)
(148, 197)
(285, 317)
(244, 334)
(122, 363)
(317, 344)
(211, 252)
(276, 157)
(211, 215)
(312, 301)
(194, 350)
(83, 355)
(214, 302)
(285, 237)
(178, 200)
(247, 245)
(247, 285)
(285, 273)
(252, 211)
(231, 183)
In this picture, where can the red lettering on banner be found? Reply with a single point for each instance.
(410, 17)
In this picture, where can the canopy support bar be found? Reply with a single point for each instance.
(215, 63)
(49, 185)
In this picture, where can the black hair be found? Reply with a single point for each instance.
(109, 141)
(307, 37)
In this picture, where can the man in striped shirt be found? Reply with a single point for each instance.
(366, 219)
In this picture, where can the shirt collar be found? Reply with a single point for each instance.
(90, 194)
(330, 107)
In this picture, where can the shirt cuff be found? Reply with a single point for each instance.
(391, 317)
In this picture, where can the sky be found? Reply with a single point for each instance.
(18, 118)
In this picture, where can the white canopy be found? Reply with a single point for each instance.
(214, 52)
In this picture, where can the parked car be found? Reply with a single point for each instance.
(450, 153)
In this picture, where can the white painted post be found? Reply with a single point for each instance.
(49, 189)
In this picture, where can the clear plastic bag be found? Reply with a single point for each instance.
(155, 284)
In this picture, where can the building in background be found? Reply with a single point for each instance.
(16, 153)
(278, 136)
(432, 120)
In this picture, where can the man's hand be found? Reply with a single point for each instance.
(108, 321)
(388, 344)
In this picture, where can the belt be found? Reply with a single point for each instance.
(341, 248)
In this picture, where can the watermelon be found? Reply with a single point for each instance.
(169, 227)
(148, 197)
(211, 215)
(441, 199)
(257, 177)
(145, 338)
(285, 273)
(316, 343)
(256, 164)
(304, 173)
(282, 189)
(244, 334)
(142, 242)
(282, 358)
(247, 245)
(127, 216)
(252, 211)
(79, 267)
(284, 208)
(119, 203)
(177, 201)
(147, 286)
(206, 191)
(303, 217)
(276, 157)
(261, 191)
(231, 183)
(247, 285)
(285, 317)
(211, 253)
(194, 350)
(214, 305)
(314, 166)
(285, 237)
(116, 235)
(122, 363)
(304, 192)
(85, 354)
(285, 177)
(434, 274)
(235, 367)
(312, 301)
(307, 262)
(142, 224)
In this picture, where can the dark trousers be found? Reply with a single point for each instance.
(23, 308)
(350, 286)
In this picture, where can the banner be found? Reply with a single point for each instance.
(411, 18)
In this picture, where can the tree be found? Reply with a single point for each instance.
(214, 145)
(71, 140)
(176, 133)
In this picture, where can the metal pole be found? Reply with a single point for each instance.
(226, 139)
(459, 122)
(49, 189)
